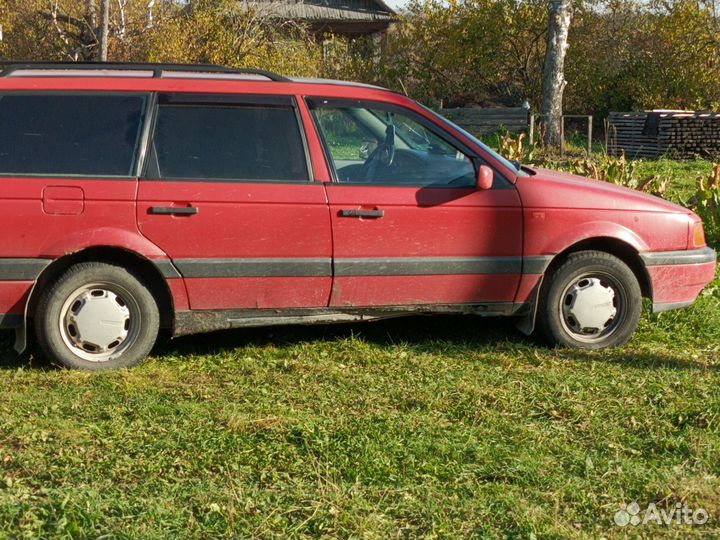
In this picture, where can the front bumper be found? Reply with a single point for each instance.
(678, 277)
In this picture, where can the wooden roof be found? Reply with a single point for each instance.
(372, 15)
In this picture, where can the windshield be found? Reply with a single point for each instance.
(477, 141)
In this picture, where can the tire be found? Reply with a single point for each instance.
(67, 326)
(591, 301)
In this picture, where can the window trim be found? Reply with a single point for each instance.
(146, 135)
(139, 144)
(477, 160)
(186, 99)
(224, 100)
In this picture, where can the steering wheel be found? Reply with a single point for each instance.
(380, 158)
(383, 156)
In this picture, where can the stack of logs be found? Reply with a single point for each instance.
(691, 136)
(679, 135)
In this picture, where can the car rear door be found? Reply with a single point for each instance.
(409, 225)
(227, 194)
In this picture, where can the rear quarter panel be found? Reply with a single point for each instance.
(107, 218)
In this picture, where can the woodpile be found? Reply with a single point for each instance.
(677, 134)
(691, 136)
(625, 135)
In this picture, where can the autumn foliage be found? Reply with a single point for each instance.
(624, 54)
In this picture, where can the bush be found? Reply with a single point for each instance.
(515, 148)
(706, 203)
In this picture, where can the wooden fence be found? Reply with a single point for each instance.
(486, 121)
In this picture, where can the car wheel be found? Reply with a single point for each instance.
(591, 301)
(96, 316)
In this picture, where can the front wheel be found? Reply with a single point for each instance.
(591, 301)
(96, 316)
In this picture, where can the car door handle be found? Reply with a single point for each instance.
(356, 212)
(174, 210)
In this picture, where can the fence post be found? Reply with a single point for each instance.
(562, 136)
(532, 128)
(590, 121)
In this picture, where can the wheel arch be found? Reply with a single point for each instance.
(624, 251)
(613, 246)
(149, 273)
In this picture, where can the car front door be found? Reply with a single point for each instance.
(409, 225)
(228, 196)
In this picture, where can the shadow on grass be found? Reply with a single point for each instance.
(427, 333)
(419, 331)
(10, 360)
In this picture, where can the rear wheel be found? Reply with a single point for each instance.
(96, 316)
(591, 301)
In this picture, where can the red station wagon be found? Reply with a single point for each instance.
(141, 197)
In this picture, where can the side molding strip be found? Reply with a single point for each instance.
(536, 264)
(218, 268)
(690, 256)
(26, 269)
(347, 267)
(22, 269)
(167, 268)
(423, 266)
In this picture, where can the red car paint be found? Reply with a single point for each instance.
(562, 209)
(425, 251)
(277, 221)
(425, 223)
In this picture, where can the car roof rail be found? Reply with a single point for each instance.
(10, 67)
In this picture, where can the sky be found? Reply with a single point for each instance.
(395, 3)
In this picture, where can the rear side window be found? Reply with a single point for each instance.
(70, 134)
(228, 143)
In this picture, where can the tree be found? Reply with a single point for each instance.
(104, 30)
(238, 34)
(559, 16)
(72, 30)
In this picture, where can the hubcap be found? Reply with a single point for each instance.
(99, 321)
(592, 307)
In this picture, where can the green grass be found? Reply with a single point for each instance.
(436, 427)
(684, 174)
(425, 427)
(345, 150)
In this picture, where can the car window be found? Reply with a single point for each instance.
(70, 134)
(376, 146)
(228, 143)
(506, 163)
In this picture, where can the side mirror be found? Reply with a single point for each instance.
(485, 177)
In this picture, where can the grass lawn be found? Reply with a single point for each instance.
(684, 174)
(432, 427)
(435, 427)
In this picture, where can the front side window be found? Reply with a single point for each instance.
(70, 134)
(369, 145)
(228, 143)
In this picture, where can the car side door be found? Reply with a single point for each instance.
(410, 227)
(228, 195)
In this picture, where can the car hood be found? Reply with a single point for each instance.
(548, 188)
